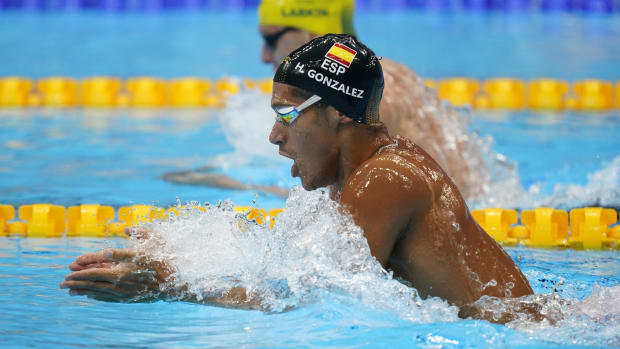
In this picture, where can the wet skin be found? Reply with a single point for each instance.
(413, 216)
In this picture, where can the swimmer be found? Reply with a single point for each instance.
(402, 106)
(287, 24)
(326, 99)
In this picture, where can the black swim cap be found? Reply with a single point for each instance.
(341, 70)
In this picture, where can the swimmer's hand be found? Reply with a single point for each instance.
(124, 275)
(118, 275)
(504, 310)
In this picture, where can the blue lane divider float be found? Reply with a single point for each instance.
(601, 6)
(128, 5)
(590, 6)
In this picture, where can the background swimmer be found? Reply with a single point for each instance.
(414, 219)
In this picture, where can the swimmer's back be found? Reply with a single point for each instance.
(440, 249)
(411, 112)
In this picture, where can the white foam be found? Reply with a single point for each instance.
(246, 122)
(313, 251)
(602, 189)
(317, 255)
(595, 320)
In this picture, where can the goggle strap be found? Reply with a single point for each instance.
(272, 39)
(310, 101)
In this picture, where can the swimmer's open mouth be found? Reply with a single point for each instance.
(294, 170)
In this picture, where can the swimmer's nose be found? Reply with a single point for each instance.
(266, 55)
(277, 135)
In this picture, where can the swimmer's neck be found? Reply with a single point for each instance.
(357, 143)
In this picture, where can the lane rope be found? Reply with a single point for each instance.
(591, 228)
(103, 92)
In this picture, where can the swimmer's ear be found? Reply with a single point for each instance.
(343, 119)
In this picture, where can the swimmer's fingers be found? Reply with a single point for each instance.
(111, 275)
(111, 297)
(120, 255)
(94, 286)
(77, 267)
(92, 258)
(103, 297)
(138, 287)
(105, 291)
(101, 259)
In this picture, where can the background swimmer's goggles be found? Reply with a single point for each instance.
(288, 114)
(272, 40)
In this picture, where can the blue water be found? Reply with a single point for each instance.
(35, 313)
(436, 45)
(553, 148)
(117, 158)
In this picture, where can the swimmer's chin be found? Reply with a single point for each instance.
(308, 185)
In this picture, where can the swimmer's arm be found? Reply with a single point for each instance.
(236, 297)
(505, 310)
(204, 177)
(382, 198)
(124, 275)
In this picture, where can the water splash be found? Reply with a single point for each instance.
(443, 131)
(246, 122)
(595, 320)
(313, 253)
(602, 189)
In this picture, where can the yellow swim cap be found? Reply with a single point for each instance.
(315, 16)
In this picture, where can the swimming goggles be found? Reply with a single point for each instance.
(272, 39)
(288, 114)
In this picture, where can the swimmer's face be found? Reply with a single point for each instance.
(284, 45)
(310, 141)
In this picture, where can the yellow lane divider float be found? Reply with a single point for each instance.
(590, 228)
(588, 95)
(111, 92)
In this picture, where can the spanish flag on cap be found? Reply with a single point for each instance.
(315, 16)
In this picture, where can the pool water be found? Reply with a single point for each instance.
(524, 45)
(117, 157)
(36, 313)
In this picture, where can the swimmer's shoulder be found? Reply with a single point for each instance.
(404, 152)
(392, 170)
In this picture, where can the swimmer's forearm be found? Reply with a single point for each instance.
(236, 297)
